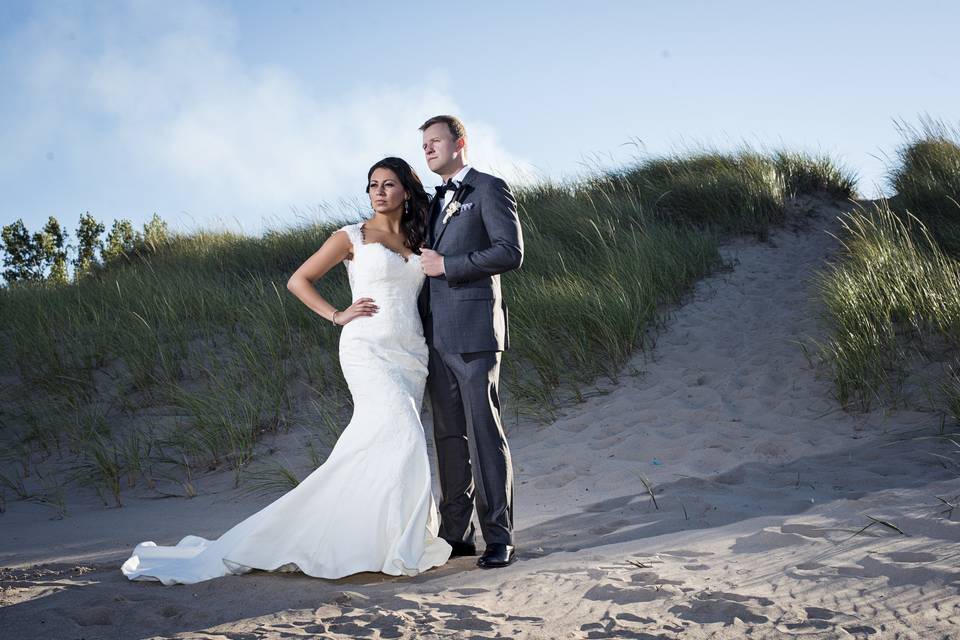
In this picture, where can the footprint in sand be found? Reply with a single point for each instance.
(91, 616)
(724, 608)
(768, 539)
(627, 594)
(821, 619)
(810, 531)
(911, 556)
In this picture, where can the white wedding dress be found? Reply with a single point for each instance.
(369, 507)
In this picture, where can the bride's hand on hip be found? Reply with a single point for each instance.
(363, 307)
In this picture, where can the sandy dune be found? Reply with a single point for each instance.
(760, 484)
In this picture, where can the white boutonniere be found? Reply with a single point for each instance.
(450, 211)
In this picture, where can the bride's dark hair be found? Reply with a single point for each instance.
(414, 219)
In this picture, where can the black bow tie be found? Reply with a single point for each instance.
(449, 186)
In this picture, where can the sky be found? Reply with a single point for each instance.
(255, 115)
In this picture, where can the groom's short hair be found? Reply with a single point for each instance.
(457, 130)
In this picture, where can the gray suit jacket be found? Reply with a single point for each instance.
(463, 311)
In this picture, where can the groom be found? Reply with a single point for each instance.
(473, 236)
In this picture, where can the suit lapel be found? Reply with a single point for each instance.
(432, 222)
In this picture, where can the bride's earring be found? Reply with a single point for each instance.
(406, 207)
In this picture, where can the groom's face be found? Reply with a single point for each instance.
(440, 148)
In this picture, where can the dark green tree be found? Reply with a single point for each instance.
(155, 233)
(53, 250)
(21, 262)
(122, 241)
(88, 244)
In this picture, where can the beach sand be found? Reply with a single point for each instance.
(761, 484)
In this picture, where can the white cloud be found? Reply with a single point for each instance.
(164, 96)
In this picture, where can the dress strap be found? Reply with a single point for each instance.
(354, 233)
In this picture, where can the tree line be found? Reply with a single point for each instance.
(44, 255)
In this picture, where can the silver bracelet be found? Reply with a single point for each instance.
(333, 318)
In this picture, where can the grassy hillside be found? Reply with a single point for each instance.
(182, 361)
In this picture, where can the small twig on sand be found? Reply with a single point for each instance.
(649, 487)
(880, 522)
(951, 504)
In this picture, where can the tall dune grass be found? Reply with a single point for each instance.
(186, 358)
(895, 294)
(805, 174)
(893, 290)
(927, 179)
(741, 193)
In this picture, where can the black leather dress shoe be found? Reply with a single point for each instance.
(462, 549)
(496, 555)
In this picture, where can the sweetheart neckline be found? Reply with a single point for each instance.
(389, 250)
(364, 243)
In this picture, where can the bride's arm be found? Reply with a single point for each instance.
(335, 250)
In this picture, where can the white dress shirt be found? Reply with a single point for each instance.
(457, 177)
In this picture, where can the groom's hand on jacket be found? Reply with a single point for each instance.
(432, 263)
(502, 225)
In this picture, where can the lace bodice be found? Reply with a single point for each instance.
(378, 272)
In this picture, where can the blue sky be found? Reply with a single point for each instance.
(247, 115)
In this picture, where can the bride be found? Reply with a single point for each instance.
(369, 507)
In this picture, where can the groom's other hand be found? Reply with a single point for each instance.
(432, 263)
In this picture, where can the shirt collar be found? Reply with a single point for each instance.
(460, 175)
